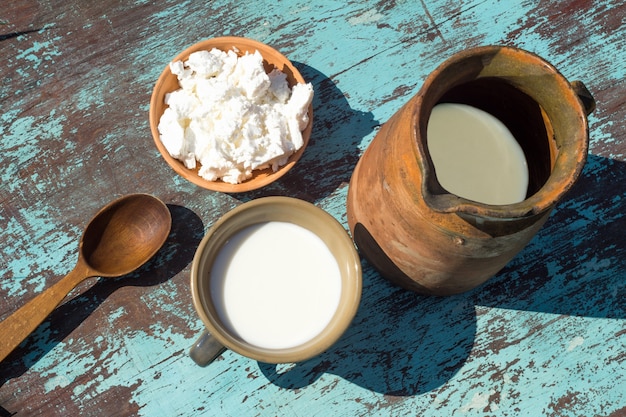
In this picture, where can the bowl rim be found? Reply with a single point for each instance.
(260, 178)
(351, 278)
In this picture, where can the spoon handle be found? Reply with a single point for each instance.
(15, 328)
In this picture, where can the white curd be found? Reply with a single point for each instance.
(232, 117)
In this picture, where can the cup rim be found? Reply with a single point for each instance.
(263, 210)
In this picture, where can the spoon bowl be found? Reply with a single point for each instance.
(125, 234)
(120, 238)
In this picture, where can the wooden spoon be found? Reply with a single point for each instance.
(120, 238)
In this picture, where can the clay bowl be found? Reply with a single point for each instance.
(167, 82)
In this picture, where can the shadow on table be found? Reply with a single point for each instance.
(177, 252)
(332, 153)
(576, 265)
(404, 344)
(400, 343)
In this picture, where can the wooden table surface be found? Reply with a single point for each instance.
(545, 337)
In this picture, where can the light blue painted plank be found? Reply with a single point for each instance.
(514, 347)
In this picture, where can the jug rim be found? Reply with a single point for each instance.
(508, 63)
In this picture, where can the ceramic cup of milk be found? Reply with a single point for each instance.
(277, 280)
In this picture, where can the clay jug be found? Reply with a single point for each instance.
(428, 240)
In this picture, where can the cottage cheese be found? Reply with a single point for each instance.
(231, 117)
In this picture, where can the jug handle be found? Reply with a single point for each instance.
(587, 100)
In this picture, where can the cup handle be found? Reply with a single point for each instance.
(206, 349)
(589, 103)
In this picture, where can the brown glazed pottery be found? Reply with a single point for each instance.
(427, 240)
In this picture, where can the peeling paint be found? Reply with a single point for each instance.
(369, 16)
(546, 336)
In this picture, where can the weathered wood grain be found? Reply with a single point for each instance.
(547, 336)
